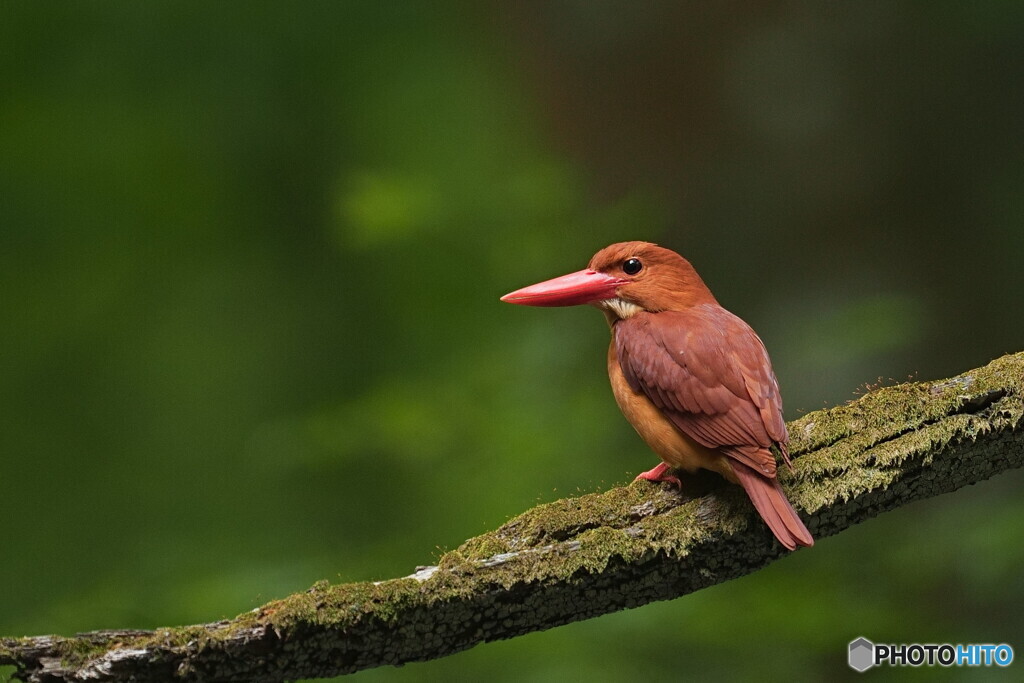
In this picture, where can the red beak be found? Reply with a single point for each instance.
(582, 287)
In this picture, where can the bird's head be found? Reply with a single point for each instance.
(623, 279)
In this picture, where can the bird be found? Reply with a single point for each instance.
(693, 379)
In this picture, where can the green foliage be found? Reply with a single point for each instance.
(250, 260)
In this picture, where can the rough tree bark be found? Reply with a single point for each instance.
(582, 557)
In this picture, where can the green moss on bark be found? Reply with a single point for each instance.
(580, 557)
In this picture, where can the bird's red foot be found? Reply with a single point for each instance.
(659, 474)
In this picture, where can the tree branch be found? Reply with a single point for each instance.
(582, 557)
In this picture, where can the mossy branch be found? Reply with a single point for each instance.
(582, 557)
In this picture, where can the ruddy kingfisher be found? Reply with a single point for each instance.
(693, 379)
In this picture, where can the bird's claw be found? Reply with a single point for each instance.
(660, 473)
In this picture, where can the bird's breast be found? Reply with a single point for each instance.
(673, 446)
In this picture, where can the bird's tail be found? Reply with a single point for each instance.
(771, 503)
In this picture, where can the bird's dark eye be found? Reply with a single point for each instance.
(632, 266)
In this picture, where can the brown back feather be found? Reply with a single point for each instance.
(710, 374)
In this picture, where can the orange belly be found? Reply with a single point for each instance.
(674, 447)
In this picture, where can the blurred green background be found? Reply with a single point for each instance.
(250, 261)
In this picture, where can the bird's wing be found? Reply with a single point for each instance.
(711, 376)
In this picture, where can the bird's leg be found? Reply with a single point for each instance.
(659, 473)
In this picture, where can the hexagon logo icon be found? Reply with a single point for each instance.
(862, 654)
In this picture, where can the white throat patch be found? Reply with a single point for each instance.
(621, 308)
